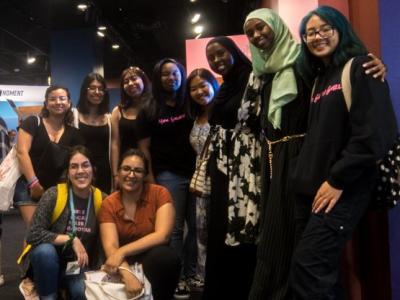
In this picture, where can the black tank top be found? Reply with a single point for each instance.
(128, 132)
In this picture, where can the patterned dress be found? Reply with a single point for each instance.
(198, 137)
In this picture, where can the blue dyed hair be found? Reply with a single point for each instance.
(349, 45)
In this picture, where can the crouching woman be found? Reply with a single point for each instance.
(135, 225)
(62, 240)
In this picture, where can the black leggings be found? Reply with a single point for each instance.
(161, 266)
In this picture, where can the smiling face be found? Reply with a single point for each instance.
(201, 91)
(219, 58)
(321, 38)
(133, 84)
(95, 93)
(171, 77)
(259, 34)
(57, 102)
(80, 172)
(131, 173)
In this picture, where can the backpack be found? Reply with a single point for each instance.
(61, 202)
(386, 193)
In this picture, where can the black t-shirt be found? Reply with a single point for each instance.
(86, 230)
(47, 171)
(170, 147)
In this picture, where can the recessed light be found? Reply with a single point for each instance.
(198, 29)
(82, 7)
(115, 46)
(30, 60)
(102, 28)
(195, 18)
(100, 34)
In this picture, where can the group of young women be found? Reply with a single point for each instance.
(280, 195)
(290, 177)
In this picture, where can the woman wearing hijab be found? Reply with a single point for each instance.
(225, 263)
(284, 118)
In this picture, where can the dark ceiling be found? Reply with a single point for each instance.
(146, 31)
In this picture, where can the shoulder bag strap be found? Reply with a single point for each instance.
(346, 83)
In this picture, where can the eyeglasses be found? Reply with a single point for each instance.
(126, 170)
(96, 89)
(325, 31)
(84, 166)
(61, 98)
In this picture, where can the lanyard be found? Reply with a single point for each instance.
(72, 209)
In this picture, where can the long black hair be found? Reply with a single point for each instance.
(194, 109)
(158, 91)
(104, 106)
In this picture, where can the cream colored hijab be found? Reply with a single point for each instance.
(279, 59)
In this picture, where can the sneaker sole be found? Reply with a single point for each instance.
(181, 297)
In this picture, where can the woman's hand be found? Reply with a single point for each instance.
(80, 252)
(133, 287)
(37, 191)
(375, 67)
(326, 198)
(113, 262)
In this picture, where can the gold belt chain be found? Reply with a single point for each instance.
(282, 140)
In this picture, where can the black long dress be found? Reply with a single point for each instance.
(277, 224)
(97, 141)
(229, 270)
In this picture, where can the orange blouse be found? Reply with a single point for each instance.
(112, 211)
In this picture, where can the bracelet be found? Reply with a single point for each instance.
(68, 243)
(34, 178)
(33, 182)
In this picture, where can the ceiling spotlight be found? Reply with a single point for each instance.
(195, 18)
(100, 34)
(198, 29)
(192, 0)
(30, 60)
(115, 46)
(102, 28)
(82, 7)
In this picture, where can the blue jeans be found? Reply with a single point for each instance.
(48, 273)
(185, 210)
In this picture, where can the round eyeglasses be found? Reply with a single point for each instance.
(325, 31)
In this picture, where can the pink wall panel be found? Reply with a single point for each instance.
(196, 51)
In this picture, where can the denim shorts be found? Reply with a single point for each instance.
(22, 194)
